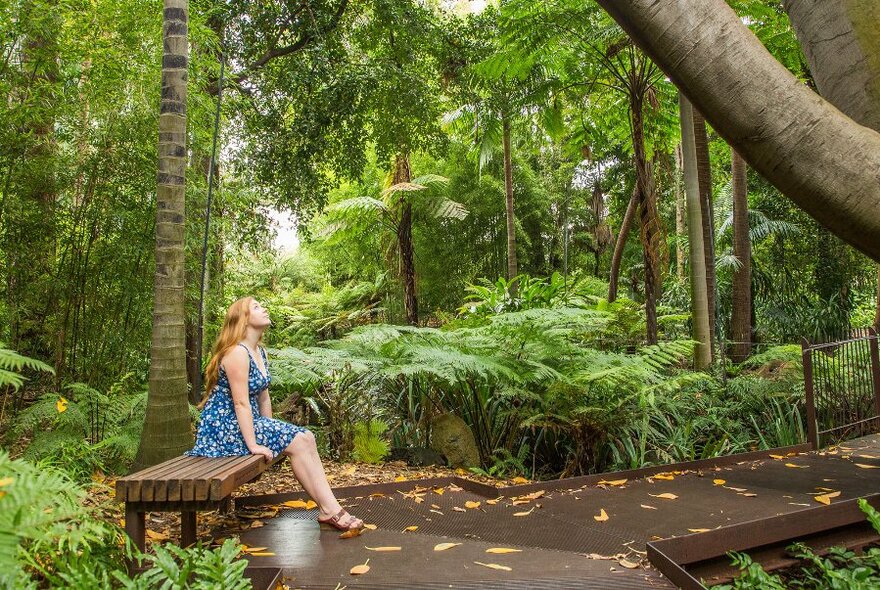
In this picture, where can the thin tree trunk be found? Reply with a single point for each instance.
(704, 173)
(877, 313)
(620, 244)
(680, 227)
(512, 266)
(649, 224)
(699, 297)
(166, 432)
(741, 321)
(402, 173)
(823, 160)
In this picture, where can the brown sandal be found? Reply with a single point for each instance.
(333, 521)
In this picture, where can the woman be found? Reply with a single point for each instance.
(237, 415)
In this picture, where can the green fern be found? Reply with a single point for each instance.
(11, 365)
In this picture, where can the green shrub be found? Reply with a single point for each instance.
(369, 446)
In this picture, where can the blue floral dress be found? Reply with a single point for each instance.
(219, 434)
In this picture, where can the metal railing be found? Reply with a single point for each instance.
(842, 382)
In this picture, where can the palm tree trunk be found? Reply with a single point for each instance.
(620, 244)
(741, 320)
(680, 227)
(167, 430)
(648, 218)
(704, 173)
(512, 266)
(402, 173)
(824, 161)
(699, 296)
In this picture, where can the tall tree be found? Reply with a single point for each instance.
(741, 319)
(620, 243)
(818, 157)
(699, 295)
(704, 173)
(167, 430)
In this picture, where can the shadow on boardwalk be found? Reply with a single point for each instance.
(561, 543)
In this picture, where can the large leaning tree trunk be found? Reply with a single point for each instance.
(741, 318)
(512, 265)
(167, 431)
(403, 175)
(704, 173)
(620, 244)
(841, 42)
(699, 295)
(828, 164)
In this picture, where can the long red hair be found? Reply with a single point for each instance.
(234, 330)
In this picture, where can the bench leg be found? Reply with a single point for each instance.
(188, 528)
(134, 526)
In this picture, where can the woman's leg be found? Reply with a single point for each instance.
(309, 471)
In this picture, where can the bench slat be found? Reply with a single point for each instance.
(224, 483)
(188, 479)
(171, 470)
(128, 487)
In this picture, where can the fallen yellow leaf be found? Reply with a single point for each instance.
(155, 536)
(471, 504)
(493, 502)
(863, 466)
(796, 466)
(263, 554)
(699, 530)
(311, 504)
(399, 478)
(523, 513)
(411, 528)
(294, 504)
(360, 569)
(382, 548)
(826, 498)
(613, 482)
(648, 507)
(247, 549)
(735, 489)
(349, 471)
(747, 494)
(494, 566)
(603, 516)
(459, 509)
(61, 405)
(439, 491)
(719, 482)
(665, 496)
(445, 546)
(372, 527)
(777, 457)
(628, 564)
(664, 476)
(502, 550)
(519, 479)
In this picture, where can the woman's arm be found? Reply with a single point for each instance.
(237, 364)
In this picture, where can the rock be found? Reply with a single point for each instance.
(417, 456)
(453, 439)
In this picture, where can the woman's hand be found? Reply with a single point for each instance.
(264, 451)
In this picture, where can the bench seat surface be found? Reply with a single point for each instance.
(190, 479)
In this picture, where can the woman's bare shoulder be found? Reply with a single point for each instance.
(235, 359)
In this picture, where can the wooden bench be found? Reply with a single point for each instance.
(185, 485)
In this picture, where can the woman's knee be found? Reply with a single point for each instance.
(303, 441)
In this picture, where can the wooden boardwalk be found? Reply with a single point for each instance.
(561, 542)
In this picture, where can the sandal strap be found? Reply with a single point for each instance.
(338, 516)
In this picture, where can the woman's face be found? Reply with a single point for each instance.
(259, 317)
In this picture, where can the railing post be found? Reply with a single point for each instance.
(875, 367)
(812, 427)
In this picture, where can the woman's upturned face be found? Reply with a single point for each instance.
(259, 317)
